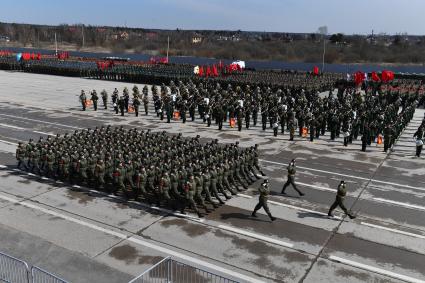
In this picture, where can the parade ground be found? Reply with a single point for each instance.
(83, 235)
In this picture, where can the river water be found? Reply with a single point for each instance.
(300, 66)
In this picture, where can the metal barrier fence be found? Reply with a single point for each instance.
(172, 271)
(42, 276)
(13, 270)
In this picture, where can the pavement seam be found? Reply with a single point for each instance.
(110, 247)
(335, 230)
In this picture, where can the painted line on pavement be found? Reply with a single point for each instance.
(10, 126)
(244, 196)
(317, 170)
(8, 142)
(376, 270)
(256, 236)
(407, 205)
(393, 230)
(194, 260)
(190, 217)
(348, 176)
(23, 129)
(2, 166)
(71, 219)
(41, 121)
(43, 133)
(134, 240)
(318, 187)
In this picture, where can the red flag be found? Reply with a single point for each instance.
(358, 78)
(214, 71)
(208, 73)
(387, 76)
(375, 77)
(38, 56)
(201, 71)
(316, 70)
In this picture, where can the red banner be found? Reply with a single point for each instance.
(359, 77)
(375, 77)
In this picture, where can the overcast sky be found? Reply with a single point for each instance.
(359, 16)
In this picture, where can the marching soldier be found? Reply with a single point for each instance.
(339, 201)
(262, 201)
(136, 104)
(291, 178)
(104, 95)
(83, 100)
(94, 98)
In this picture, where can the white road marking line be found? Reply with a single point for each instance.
(135, 240)
(23, 129)
(256, 236)
(376, 270)
(408, 205)
(41, 121)
(134, 202)
(194, 260)
(348, 176)
(398, 185)
(318, 187)
(12, 127)
(71, 219)
(317, 170)
(393, 230)
(244, 196)
(43, 133)
(302, 209)
(2, 166)
(8, 142)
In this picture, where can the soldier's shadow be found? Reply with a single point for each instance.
(242, 216)
(302, 214)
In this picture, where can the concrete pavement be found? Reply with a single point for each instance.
(86, 236)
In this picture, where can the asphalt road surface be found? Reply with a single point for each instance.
(86, 236)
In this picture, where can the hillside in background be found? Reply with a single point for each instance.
(289, 47)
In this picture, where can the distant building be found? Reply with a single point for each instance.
(4, 38)
(234, 38)
(121, 35)
(196, 39)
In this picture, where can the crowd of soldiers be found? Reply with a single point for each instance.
(377, 113)
(156, 167)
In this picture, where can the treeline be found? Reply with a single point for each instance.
(221, 44)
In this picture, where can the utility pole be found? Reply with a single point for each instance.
(168, 46)
(82, 33)
(324, 51)
(323, 31)
(56, 46)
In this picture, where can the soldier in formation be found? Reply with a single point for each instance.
(382, 111)
(156, 167)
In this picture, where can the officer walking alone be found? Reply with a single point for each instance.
(262, 201)
(291, 178)
(339, 201)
